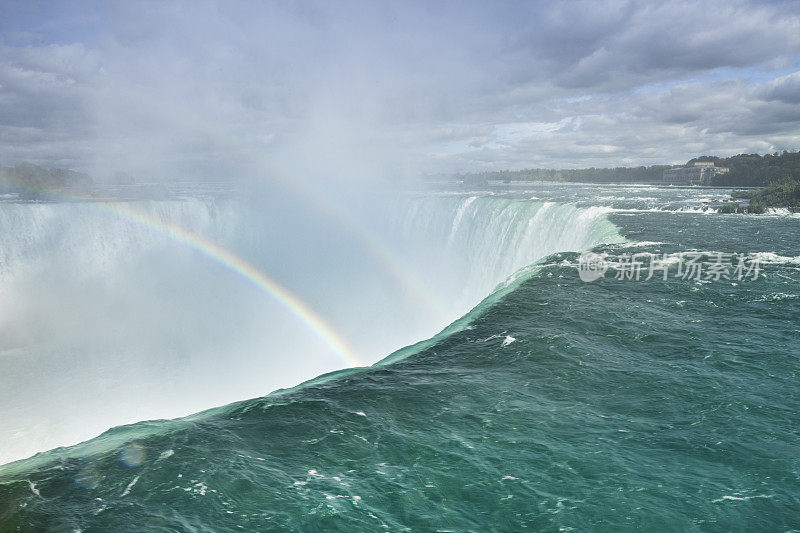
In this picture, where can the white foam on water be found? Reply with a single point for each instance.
(734, 497)
(772, 257)
(165, 454)
(130, 485)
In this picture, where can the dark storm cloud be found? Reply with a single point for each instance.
(675, 39)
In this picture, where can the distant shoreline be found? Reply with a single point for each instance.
(744, 170)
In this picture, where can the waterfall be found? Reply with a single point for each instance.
(105, 320)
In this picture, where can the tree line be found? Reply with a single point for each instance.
(746, 170)
(32, 180)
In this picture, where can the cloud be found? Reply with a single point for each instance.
(784, 89)
(211, 88)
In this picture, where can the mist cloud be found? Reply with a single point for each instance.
(204, 89)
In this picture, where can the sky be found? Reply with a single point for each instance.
(206, 89)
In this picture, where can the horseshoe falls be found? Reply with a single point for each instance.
(416, 361)
(116, 312)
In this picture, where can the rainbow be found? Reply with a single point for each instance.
(235, 264)
(391, 261)
(249, 272)
(436, 310)
(325, 204)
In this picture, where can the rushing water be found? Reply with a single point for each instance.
(553, 404)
